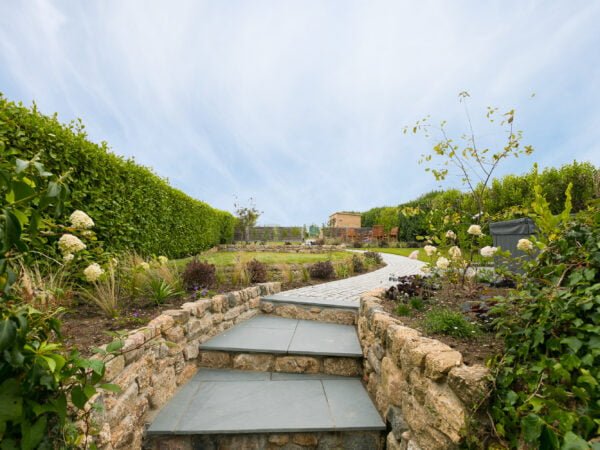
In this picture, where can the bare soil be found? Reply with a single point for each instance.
(475, 350)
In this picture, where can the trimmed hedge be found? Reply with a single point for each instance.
(132, 207)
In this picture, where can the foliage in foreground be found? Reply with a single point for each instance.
(133, 208)
(547, 383)
(44, 390)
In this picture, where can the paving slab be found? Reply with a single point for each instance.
(312, 301)
(273, 334)
(229, 403)
(319, 338)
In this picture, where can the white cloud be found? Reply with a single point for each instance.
(301, 104)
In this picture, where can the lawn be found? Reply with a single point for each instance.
(221, 259)
(400, 251)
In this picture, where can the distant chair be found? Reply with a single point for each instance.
(394, 233)
(378, 233)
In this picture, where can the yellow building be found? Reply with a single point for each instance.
(344, 220)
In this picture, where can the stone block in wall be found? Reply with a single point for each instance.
(438, 364)
(191, 350)
(163, 387)
(195, 327)
(415, 350)
(217, 318)
(133, 346)
(349, 367)
(447, 412)
(245, 316)
(297, 364)
(232, 313)
(267, 307)
(214, 360)
(161, 323)
(113, 367)
(395, 419)
(253, 361)
(373, 361)
(422, 429)
(392, 381)
(218, 303)
(119, 406)
(305, 439)
(469, 383)
(179, 315)
(197, 308)
(392, 443)
(396, 337)
(340, 316)
(175, 334)
(186, 374)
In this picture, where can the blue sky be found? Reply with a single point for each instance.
(301, 104)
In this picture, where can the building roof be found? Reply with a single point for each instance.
(346, 213)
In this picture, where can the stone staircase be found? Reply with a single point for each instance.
(286, 379)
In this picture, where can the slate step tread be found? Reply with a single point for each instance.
(278, 335)
(323, 302)
(233, 402)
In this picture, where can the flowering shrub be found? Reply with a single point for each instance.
(548, 382)
(69, 244)
(81, 220)
(93, 272)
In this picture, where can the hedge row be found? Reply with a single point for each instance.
(133, 208)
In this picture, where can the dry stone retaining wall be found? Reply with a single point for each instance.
(419, 385)
(156, 359)
(307, 312)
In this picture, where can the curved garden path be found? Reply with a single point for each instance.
(349, 290)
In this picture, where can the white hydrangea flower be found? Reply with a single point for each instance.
(430, 250)
(525, 245)
(70, 244)
(414, 255)
(451, 234)
(144, 265)
(454, 252)
(475, 230)
(488, 252)
(425, 269)
(163, 260)
(81, 220)
(442, 263)
(68, 257)
(93, 272)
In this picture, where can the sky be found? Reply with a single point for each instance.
(301, 104)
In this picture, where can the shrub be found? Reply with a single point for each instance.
(132, 207)
(450, 323)
(257, 271)
(320, 242)
(417, 303)
(357, 244)
(322, 270)
(374, 256)
(198, 274)
(548, 381)
(411, 286)
(358, 265)
(160, 290)
(105, 293)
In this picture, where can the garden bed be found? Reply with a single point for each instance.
(472, 337)
(85, 327)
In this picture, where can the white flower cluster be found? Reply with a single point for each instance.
(69, 244)
(430, 250)
(475, 230)
(81, 220)
(93, 272)
(454, 252)
(163, 260)
(525, 245)
(488, 252)
(451, 235)
(144, 265)
(442, 263)
(414, 255)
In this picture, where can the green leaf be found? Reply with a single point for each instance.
(531, 426)
(548, 439)
(11, 403)
(574, 442)
(115, 345)
(573, 343)
(32, 435)
(78, 397)
(111, 387)
(8, 333)
(21, 165)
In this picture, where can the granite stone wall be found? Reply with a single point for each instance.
(420, 385)
(161, 356)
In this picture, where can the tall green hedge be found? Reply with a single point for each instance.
(133, 208)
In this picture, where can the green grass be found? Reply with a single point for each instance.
(222, 259)
(451, 323)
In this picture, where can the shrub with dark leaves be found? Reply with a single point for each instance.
(357, 264)
(257, 271)
(374, 256)
(198, 274)
(411, 286)
(322, 270)
(357, 244)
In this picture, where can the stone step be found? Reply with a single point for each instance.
(239, 409)
(310, 308)
(272, 343)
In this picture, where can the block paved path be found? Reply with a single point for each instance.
(347, 292)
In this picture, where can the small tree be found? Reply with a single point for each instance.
(475, 165)
(247, 216)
